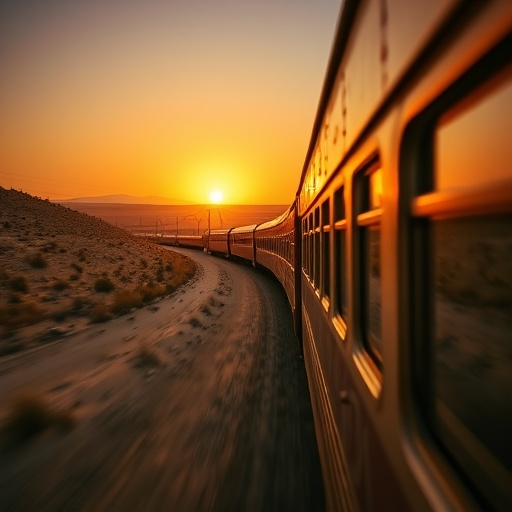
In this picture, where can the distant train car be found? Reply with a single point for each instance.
(275, 250)
(192, 241)
(241, 242)
(216, 241)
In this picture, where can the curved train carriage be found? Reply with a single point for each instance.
(396, 257)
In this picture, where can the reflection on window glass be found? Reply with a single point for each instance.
(341, 285)
(372, 305)
(326, 250)
(473, 332)
(339, 254)
(316, 277)
(474, 147)
(375, 189)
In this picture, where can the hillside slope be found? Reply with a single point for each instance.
(61, 269)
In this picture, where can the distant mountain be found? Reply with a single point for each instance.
(126, 199)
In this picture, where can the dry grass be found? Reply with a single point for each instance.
(125, 301)
(103, 285)
(67, 262)
(146, 356)
(20, 314)
(29, 415)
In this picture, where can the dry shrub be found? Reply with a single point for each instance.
(29, 415)
(77, 267)
(146, 356)
(100, 313)
(11, 346)
(17, 315)
(126, 300)
(151, 291)
(37, 261)
(60, 285)
(103, 285)
(79, 304)
(18, 284)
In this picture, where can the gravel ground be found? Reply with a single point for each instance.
(222, 422)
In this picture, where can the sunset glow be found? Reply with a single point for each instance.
(216, 196)
(160, 98)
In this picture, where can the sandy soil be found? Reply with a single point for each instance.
(222, 423)
(50, 261)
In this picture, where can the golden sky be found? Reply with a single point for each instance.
(173, 98)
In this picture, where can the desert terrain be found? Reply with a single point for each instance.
(61, 270)
(197, 400)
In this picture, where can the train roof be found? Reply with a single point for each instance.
(244, 229)
(277, 220)
(341, 36)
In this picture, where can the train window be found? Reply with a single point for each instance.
(304, 243)
(326, 250)
(369, 189)
(340, 258)
(466, 154)
(469, 284)
(316, 258)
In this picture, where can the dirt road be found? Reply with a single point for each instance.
(221, 422)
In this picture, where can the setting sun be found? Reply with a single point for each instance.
(216, 196)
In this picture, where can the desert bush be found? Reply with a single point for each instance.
(146, 356)
(150, 291)
(18, 284)
(60, 285)
(37, 261)
(50, 247)
(60, 316)
(143, 263)
(12, 346)
(14, 298)
(126, 300)
(29, 415)
(100, 313)
(103, 285)
(79, 304)
(17, 315)
(77, 267)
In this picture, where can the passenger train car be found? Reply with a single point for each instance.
(396, 257)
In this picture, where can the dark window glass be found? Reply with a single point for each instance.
(373, 291)
(326, 250)
(369, 193)
(473, 331)
(316, 277)
(468, 234)
(340, 253)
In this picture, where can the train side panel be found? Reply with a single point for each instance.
(216, 241)
(275, 250)
(192, 241)
(406, 190)
(241, 242)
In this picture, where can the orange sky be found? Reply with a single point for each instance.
(169, 98)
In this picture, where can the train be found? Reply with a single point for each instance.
(396, 257)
